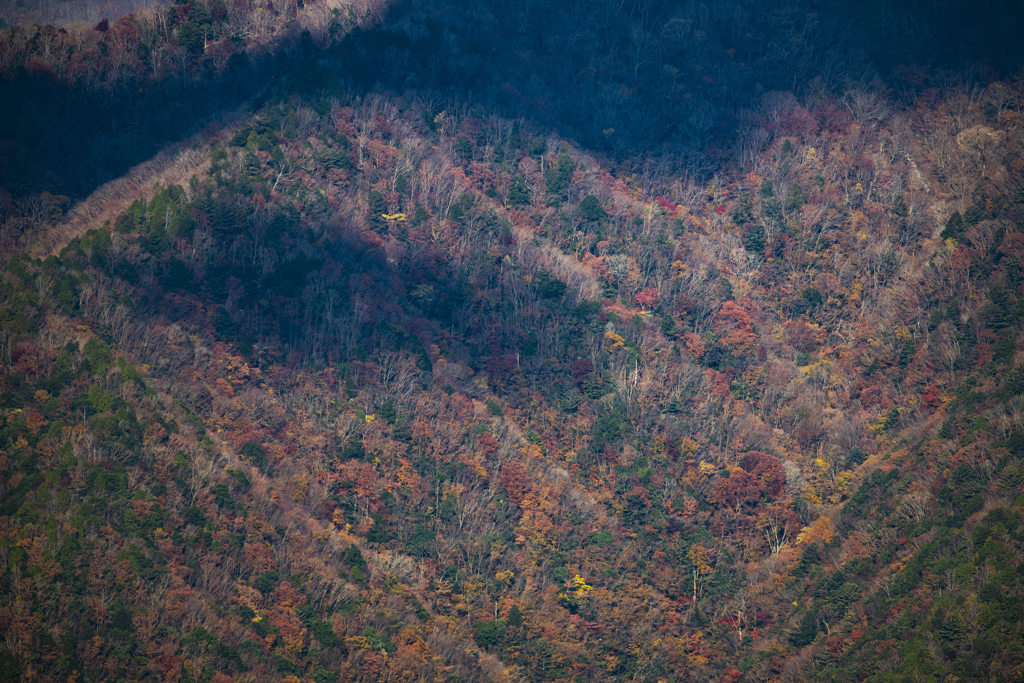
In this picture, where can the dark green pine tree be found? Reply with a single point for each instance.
(518, 192)
(954, 227)
(899, 207)
(378, 208)
(805, 634)
(907, 353)
(797, 198)
(998, 313)
(754, 241)
(558, 176)
(463, 149)
(591, 208)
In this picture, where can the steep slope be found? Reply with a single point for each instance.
(367, 386)
(409, 392)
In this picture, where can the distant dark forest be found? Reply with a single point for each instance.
(640, 81)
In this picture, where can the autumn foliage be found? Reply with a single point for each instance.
(400, 390)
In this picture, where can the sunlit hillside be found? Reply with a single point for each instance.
(683, 351)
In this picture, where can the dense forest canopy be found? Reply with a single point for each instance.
(648, 341)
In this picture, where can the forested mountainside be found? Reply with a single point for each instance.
(390, 376)
(84, 103)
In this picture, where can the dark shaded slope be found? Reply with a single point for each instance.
(83, 105)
